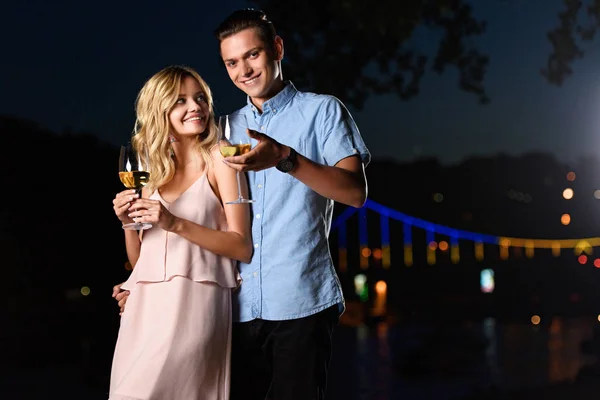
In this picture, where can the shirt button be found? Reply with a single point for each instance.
(262, 128)
(259, 186)
(256, 245)
(255, 274)
(257, 216)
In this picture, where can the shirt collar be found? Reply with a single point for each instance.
(277, 101)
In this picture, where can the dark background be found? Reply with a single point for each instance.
(493, 111)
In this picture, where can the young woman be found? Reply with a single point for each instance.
(175, 336)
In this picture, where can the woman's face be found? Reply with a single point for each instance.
(189, 115)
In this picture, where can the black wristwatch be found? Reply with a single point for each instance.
(288, 163)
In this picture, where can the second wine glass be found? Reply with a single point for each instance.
(234, 144)
(133, 173)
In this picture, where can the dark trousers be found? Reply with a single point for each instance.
(287, 360)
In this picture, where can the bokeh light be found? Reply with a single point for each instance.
(381, 287)
(377, 254)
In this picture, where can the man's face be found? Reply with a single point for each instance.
(251, 65)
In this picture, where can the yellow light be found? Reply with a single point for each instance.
(529, 249)
(571, 176)
(385, 257)
(454, 254)
(550, 243)
(504, 244)
(536, 320)
(433, 245)
(565, 219)
(430, 255)
(478, 251)
(568, 193)
(443, 246)
(556, 249)
(85, 291)
(366, 252)
(408, 255)
(599, 318)
(583, 246)
(380, 287)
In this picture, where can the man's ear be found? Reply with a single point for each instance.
(278, 48)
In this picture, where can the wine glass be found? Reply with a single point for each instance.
(133, 173)
(234, 145)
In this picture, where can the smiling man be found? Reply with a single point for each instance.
(308, 154)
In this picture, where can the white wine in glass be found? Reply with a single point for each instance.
(234, 146)
(134, 174)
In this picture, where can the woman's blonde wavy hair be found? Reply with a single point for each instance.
(152, 127)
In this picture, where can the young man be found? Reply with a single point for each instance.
(308, 153)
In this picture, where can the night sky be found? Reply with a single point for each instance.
(71, 65)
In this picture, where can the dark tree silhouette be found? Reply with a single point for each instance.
(353, 49)
(579, 21)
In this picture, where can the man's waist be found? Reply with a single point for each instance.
(245, 313)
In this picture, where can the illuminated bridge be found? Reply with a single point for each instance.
(385, 244)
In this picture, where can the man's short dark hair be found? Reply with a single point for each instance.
(247, 18)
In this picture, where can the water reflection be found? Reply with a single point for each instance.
(455, 360)
(385, 361)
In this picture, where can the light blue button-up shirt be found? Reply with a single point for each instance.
(291, 274)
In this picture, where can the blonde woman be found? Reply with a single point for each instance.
(175, 336)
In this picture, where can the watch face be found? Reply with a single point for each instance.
(287, 166)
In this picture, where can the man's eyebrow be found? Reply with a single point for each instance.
(258, 48)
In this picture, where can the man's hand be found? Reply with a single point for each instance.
(266, 154)
(120, 296)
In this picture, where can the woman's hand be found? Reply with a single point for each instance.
(120, 296)
(122, 203)
(154, 212)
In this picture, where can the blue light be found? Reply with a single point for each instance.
(362, 226)
(408, 221)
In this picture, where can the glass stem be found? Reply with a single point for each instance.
(237, 176)
(139, 193)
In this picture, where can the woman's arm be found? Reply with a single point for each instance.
(122, 205)
(236, 242)
(132, 246)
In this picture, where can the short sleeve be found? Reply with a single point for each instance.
(340, 136)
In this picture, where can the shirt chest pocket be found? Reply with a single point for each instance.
(300, 147)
